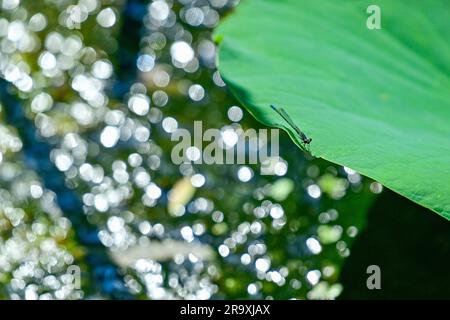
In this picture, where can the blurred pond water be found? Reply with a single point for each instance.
(86, 176)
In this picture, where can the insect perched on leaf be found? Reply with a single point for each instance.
(305, 139)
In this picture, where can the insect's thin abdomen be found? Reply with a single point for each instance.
(286, 118)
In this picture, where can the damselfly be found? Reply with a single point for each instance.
(306, 140)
